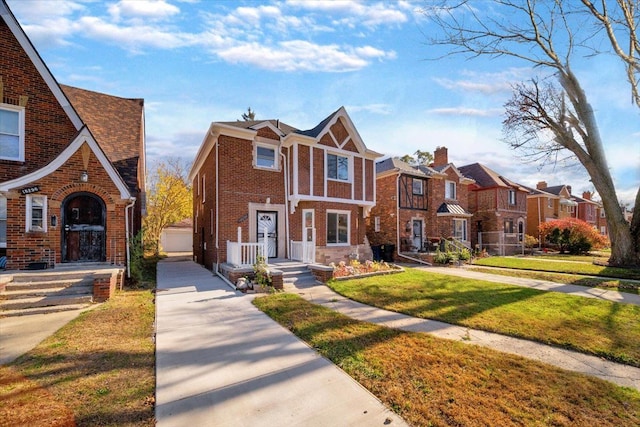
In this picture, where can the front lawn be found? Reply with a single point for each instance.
(97, 370)
(436, 382)
(619, 285)
(552, 265)
(603, 328)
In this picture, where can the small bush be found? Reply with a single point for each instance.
(572, 235)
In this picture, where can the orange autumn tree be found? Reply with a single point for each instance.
(572, 235)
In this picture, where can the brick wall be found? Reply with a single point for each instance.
(48, 129)
(25, 247)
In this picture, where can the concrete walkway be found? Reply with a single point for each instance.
(543, 285)
(221, 361)
(620, 374)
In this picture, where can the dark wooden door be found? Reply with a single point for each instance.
(84, 229)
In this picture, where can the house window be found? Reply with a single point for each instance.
(337, 167)
(602, 213)
(549, 202)
(36, 213)
(450, 190)
(508, 226)
(338, 228)
(460, 229)
(11, 132)
(512, 197)
(265, 157)
(3, 222)
(204, 188)
(376, 224)
(603, 230)
(417, 186)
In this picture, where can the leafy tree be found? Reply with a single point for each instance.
(249, 115)
(552, 119)
(169, 199)
(418, 158)
(572, 235)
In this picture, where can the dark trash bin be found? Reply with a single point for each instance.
(388, 253)
(377, 252)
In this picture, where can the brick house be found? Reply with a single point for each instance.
(305, 193)
(417, 206)
(499, 208)
(71, 163)
(546, 203)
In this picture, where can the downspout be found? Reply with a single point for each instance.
(285, 165)
(126, 227)
(400, 255)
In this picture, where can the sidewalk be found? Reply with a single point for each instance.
(221, 361)
(543, 285)
(620, 374)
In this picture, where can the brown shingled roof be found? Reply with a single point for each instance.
(116, 123)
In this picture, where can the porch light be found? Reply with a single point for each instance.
(408, 226)
(84, 176)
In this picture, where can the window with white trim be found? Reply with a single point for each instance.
(512, 197)
(338, 227)
(460, 229)
(36, 213)
(204, 188)
(11, 132)
(264, 156)
(376, 224)
(549, 202)
(450, 190)
(337, 167)
(417, 186)
(3, 222)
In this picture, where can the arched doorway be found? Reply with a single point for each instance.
(83, 221)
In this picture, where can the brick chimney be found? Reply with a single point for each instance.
(541, 185)
(440, 157)
(586, 195)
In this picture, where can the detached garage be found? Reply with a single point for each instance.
(178, 237)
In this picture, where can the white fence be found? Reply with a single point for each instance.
(500, 243)
(303, 251)
(246, 254)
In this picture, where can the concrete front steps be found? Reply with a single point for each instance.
(295, 273)
(47, 291)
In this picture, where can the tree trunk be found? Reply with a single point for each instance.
(625, 250)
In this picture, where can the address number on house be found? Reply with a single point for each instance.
(30, 190)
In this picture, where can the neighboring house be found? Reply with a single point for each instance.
(306, 193)
(499, 208)
(71, 163)
(417, 206)
(546, 204)
(178, 237)
(587, 209)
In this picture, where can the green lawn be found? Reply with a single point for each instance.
(436, 382)
(620, 285)
(553, 265)
(603, 328)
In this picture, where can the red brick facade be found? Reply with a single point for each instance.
(244, 190)
(57, 149)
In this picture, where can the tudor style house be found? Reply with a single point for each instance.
(302, 195)
(418, 206)
(71, 163)
(499, 208)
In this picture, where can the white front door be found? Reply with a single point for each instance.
(267, 226)
(308, 236)
(417, 234)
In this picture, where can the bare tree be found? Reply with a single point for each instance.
(544, 119)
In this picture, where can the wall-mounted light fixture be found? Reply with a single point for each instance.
(408, 226)
(84, 176)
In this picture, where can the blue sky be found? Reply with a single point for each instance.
(195, 62)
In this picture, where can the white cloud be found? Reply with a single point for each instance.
(465, 111)
(356, 12)
(142, 9)
(382, 109)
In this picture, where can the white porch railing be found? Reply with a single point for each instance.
(246, 254)
(303, 251)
